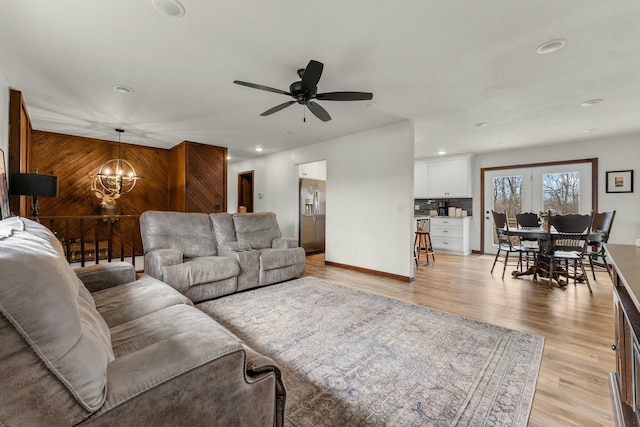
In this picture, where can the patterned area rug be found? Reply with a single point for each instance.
(351, 358)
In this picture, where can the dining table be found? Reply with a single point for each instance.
(542, 235)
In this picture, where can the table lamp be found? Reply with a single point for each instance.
(34, 185)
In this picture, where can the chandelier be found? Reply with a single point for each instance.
(116, 176)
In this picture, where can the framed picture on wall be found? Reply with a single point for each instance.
(4, 193)
(620, 181)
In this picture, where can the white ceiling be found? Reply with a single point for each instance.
(447, 65)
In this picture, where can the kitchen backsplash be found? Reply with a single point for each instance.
(426, 205)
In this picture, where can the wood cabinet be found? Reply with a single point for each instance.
(625, 382)
(450, 235)
(443, 177)
(198, 178)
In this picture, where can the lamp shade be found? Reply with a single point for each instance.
(33, 184)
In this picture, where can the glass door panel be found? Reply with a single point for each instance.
(562, 188)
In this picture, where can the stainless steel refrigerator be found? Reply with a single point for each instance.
(312, 214)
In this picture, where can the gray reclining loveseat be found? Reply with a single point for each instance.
(206, 256)
(96, 347)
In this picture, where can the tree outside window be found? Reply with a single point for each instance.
(561, 192)
(507, 195)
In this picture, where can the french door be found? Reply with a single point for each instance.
(563, 188)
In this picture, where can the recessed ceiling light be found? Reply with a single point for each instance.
(591, 102)
(369, 105)
(551, 46)
(122, 89)
(259, 149)
(481, 124)
(590, 130)
(441, 152)
(169, 7)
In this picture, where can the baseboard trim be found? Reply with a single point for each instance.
(369, 271)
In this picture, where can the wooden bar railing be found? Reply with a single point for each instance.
(114, 237)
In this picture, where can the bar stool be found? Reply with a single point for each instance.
(422, 244)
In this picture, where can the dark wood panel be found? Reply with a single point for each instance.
(177, 178)
(206, 178)
(76, 160)
(20, 134)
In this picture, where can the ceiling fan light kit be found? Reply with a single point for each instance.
(305, 91)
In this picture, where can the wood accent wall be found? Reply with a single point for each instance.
(198, 178)
(75, 161)
(191, 177)
(20, 134)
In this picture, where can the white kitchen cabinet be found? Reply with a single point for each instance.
(442, 177)
(450, 234)
(420, 179)
(450, 177)
(314, 170)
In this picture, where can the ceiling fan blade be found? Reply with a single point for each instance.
(261, 87)
(278, 108)
(318, 111)
(345, 96)
(311, 75)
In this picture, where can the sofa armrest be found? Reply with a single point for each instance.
(259, 366)
(284, 243)
(156, 260)
(101, 276)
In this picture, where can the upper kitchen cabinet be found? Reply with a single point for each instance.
(314, 170)
(443, 177)
(420, 178)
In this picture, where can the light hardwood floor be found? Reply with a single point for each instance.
(572, 388)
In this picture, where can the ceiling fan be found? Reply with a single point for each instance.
(304, 92)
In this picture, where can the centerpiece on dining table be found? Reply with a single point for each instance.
(544, 223)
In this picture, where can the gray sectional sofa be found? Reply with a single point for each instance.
(97, 347)
(205, 256)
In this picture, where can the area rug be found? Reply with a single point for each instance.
(351, 358)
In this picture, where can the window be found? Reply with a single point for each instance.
(561, 192)
(507, 194)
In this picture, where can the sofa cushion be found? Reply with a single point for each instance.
(223, 227)
(276, 258)
(188, 232)
(168, 343)
(198, 271)
(8, 225)
(47, 304)
(256, 229)
(123, 303)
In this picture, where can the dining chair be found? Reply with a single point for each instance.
(505, 245)
(528, 221)
(602, 223)
(567, 240)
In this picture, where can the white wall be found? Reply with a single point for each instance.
(619, 153)
(4, 119)
(369, 195)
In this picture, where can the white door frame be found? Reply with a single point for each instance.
(486, 222)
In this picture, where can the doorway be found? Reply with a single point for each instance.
(245, 190)
(565, 187)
